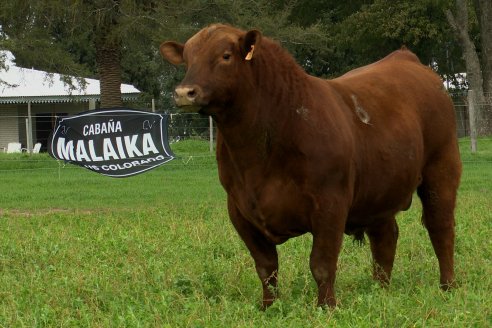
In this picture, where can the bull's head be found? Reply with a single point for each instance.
(217, 60)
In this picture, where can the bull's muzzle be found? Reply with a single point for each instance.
(188, 97)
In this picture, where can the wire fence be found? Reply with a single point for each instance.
(483, 109)
(181, 126)
(192, 126)
(197, 128)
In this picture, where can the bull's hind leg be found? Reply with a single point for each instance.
(383, 239)
(438, 195)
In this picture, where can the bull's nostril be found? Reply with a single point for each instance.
(191, 93)
(186, 95)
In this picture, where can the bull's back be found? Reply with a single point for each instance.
(401, 118)
(398, 93)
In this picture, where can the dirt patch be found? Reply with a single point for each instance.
(27, 213)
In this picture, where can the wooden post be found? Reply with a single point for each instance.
(153, 105)
(211, 131)
(29, 128)
(472, 114)
(27, 135)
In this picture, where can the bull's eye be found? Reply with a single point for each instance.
(226, 56)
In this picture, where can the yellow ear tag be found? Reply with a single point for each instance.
(250, 53)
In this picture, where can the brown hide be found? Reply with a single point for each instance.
(300, 154)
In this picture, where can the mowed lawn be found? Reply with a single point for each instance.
(78, 249)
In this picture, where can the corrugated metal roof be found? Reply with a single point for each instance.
(22, 85)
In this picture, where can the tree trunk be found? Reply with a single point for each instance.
(484, 14)
(483, 9)
(108, 64)
(472, 62)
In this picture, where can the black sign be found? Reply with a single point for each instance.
(117, 142)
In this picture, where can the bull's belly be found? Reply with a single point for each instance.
(376, 210)
(278, 211)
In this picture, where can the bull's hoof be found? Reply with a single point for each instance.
(447, 286)
(328, 303)
(266, 304)
(382, 278)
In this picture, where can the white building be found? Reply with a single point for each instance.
(30, 100)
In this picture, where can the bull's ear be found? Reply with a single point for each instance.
(172, 52)
(250, 44)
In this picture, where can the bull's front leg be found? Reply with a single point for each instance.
(263, 252)
(327, 240)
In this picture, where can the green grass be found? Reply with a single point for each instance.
(484, 150)
(477, 172)
(78, 249)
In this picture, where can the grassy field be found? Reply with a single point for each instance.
(78, 249)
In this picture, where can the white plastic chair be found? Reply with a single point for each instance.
(14, 147)
(36, 148)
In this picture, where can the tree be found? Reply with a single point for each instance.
(478, 69)
(382, 26)
(83, 37)
(483, 11)
(305, 42)
(115, 39)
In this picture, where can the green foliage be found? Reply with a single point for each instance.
(383, 26)
(308, 43)
(70, 32)
(80, 249)
(327, 37)
(39, 34)
(67, 37)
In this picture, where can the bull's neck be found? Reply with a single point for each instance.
(265, 113)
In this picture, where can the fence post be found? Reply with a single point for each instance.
(211, 131)
(473, 122)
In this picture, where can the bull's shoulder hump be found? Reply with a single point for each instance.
(402, 54)
(399, 57)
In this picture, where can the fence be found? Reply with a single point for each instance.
(462, 103)
(184, 126)
(181, 127)
(14, 124)
(17, 128)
